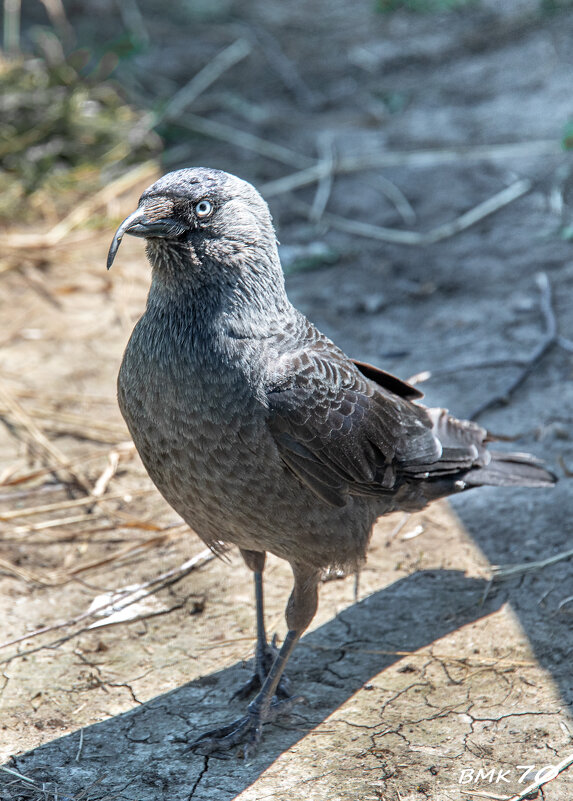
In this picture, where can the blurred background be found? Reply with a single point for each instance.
(416, 157)
(271, 89)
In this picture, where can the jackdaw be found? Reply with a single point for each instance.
(258, 430)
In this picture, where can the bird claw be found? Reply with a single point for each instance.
(263, 665)
(247, 729)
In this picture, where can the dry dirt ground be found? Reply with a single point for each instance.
(436, 683)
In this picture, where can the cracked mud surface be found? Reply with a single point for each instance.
(435, 684)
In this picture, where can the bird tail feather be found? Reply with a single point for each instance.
(510, 470)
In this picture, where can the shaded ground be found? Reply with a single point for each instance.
(435, 685)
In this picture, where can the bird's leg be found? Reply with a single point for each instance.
(266, 707)
(265, 652)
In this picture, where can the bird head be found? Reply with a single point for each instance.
(211, 215)
(212, 245)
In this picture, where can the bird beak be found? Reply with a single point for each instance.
(139, 224)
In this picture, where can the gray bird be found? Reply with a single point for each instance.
(258, 430)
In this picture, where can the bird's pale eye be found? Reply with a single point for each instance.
(203, 208)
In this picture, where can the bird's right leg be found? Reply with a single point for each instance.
(265, 652)
(266, 707)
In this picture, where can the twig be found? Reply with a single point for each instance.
(557, 769)
(564, 343)
(378, 232)
(469, 218)
(38, 439)
(398, 198)
(66, 397)
(500, 572)
(488, 364)
(80, 746)
(21, 572)
(324, 187)
(24, 531)
(135, 594)
(398, 527)
(226, 133)
(12, 480)
(130, 550)
(566, 470)
(167, 579)
(285, 68)
(133, 20)
(56, 13)
(548, 340)
(109, 522)
(12, 14)
(493, 204)
(56, 507)
(175, 111)
(413, 533)
(563, 602)
(77, 425)
(56, 579)
(17, 775)
(24, 494)
(211, 72)
(107, 475)
(415, 158)
(84, 211)
(36, 280)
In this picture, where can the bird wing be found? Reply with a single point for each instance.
(388, 381)
(339, 431)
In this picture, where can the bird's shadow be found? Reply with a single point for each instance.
(141, 754)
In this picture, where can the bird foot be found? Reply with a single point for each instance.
(263, 664)
(247, 729)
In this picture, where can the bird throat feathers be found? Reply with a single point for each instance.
(243, 285)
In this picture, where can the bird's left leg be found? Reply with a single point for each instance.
(265, 652)
(265, 707)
